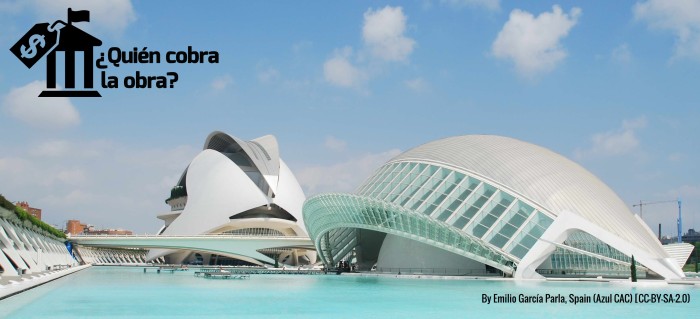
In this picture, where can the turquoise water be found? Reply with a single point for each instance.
(121, 292)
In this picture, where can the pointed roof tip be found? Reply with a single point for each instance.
(263, 151)
(268, 141)
(72, 36)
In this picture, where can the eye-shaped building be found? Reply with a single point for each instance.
(481, 204)
(237, 187)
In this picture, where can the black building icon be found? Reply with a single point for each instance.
(72, 40)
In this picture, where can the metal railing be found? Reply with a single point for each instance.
(440, 271)
(185, 236)
(588, 273)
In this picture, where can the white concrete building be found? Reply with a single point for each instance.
(236, 187)
(110, 256)
(481, 204)
(23, 249)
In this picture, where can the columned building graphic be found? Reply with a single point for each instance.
(480, 204)
(76, 41)
(72, 40)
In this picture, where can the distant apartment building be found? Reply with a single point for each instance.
(75, 227)
(690, 237)
(36, 212)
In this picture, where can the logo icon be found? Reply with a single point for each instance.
(45, 38)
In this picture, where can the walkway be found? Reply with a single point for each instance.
(244, 246)
(12, 285)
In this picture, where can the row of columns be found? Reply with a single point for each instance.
(25, 250)
(95, 255)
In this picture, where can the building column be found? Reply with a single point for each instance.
(51, 70)
(87, 68)
(70, 69)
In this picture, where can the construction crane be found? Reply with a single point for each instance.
(679, 221)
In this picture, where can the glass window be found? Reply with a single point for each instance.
(517, 220)
(463, 195)
(461, 222)
(409, 193)
(508, 230)
(528, 241)
(444, 215)
(479, 230)
(488, 220)
(499, 240)
(536, 232)
(469, 212)
(429, 209)
(457, 178)
(454, 205)
(382, 177)
(480, 201)
(519, 251)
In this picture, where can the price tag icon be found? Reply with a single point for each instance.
(35, 44)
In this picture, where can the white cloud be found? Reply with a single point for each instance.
(46, 112)
(681, 17)
(417, 84)
(69, 179)
(63, 148)
(300, 47)
(110, 15)
(221, 82)
(383, 33)
(10, 6)
(621, 54)
(76, 197)
(343, 176)
(73, 176)
(52, 148)
(340, 72)
(533, 43)
(12, 166)
(636, 123)
(685, 191)
(615, 142)
(268, 75)
(689, 195)
(335, 144)
(493, 5)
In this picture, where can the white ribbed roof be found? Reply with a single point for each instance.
(262, 151)
(541, 176)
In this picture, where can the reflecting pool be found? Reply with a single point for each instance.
(128, 292)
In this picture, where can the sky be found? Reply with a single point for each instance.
(345, 86)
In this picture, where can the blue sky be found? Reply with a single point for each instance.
(613, 85)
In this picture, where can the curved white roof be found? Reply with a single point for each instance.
(541, 176)
(263, 151)
(218, 188)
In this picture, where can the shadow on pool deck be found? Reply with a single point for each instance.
(12, 285)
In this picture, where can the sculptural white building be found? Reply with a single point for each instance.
(481, 204)
(27, 249)
(236, 187)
